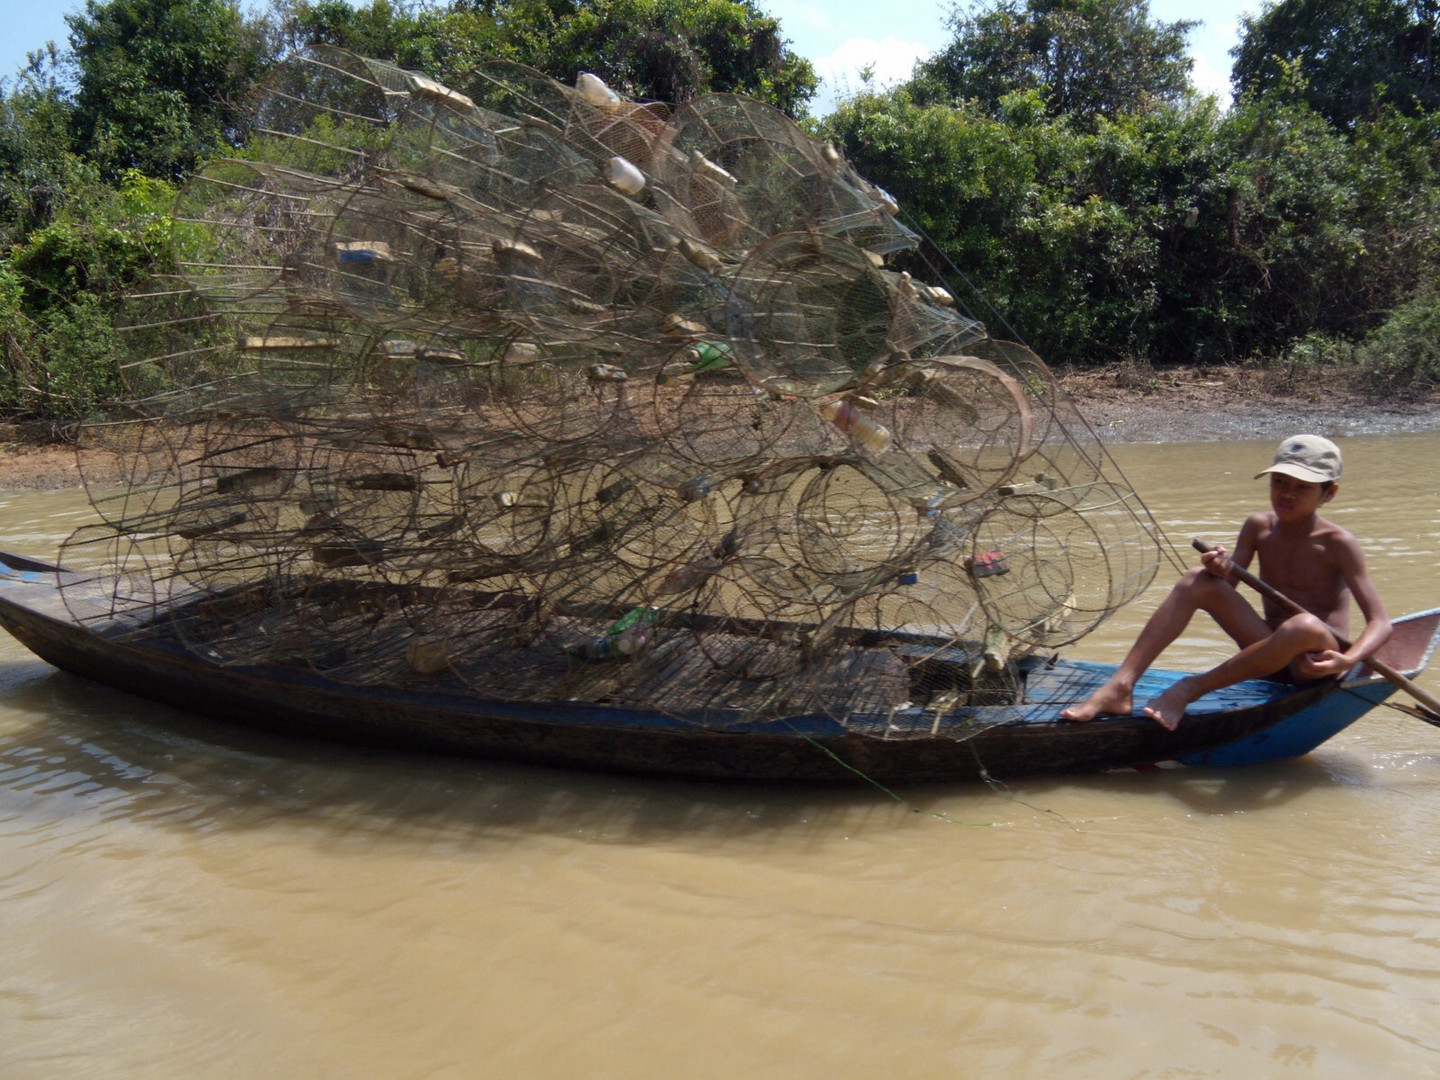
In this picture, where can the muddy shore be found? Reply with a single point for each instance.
(1206, 405)
(1190, 405)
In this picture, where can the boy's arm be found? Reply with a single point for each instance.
(1367, 599)
(1220, 564)
(1245, 542)
(1351, 562)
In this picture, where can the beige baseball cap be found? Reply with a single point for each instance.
(1306, 457)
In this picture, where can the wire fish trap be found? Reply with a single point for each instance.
(809, 312)
(713, 422)
(536, 393)
(738, 172)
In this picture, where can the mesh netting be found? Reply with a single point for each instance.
(546, 395)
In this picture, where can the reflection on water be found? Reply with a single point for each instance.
(182, 898)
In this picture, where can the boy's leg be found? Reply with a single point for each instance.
(1292, 639)
(1197, 590)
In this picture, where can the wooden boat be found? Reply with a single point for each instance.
(1261, 720)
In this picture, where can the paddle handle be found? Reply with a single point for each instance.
(1380, 668)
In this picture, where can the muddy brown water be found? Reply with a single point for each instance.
(183, 899)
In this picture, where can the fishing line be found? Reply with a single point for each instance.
(994, 784)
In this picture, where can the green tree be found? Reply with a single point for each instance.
(1178, 234)
(160, 82)
(1087, 58)
(1285, 248)
(1342, 57)
(37, 164)
(1396, 159)
(59, 288)
(420, 38)
(1061, 232)
(675, 50)
(652, 50)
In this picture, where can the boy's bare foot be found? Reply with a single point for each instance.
(1168, 708)
(1107, 701)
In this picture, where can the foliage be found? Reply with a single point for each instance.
(1396, 160)
(160, 82)
(1286, 247)
(1070, 183)
(1309, 360)
(1325, 233)
(675, 50)
(104, 241)
(58, 292)
(76, 371)
(90, 140)
(38, 167)
(1343, 58)
(1399, 357)
(17, 335)
(1403, 353)
(651, 50)
(1179, 234)
(59, 366)
(1087, 58)
(1069, 233)
(438, 42)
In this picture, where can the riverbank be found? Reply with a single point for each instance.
(1215, 404)
(1122, 405)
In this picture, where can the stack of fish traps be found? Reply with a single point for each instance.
(541, 394)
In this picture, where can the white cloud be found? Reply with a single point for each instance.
(1208, 80)
(890, 60)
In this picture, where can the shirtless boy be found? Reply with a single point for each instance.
(1313, 561)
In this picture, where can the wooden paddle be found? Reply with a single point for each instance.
(1431, 711)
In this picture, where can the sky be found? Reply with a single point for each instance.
(840, 37)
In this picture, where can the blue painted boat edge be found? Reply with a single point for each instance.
(1297, 735)
(1301, 733)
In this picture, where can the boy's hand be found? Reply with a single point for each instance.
(1217, 562)
(1321, 665)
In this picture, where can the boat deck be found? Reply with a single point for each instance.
(720, 676)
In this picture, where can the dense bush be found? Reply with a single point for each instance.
(1175, 234)
(1402, 354)
(1343, 58)
(59, 289)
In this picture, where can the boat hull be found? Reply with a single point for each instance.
(966, 744)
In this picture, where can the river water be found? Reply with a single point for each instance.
(182, 899)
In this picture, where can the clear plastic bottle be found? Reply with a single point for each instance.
(852, 420)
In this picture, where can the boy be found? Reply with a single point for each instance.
(1313, 561)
